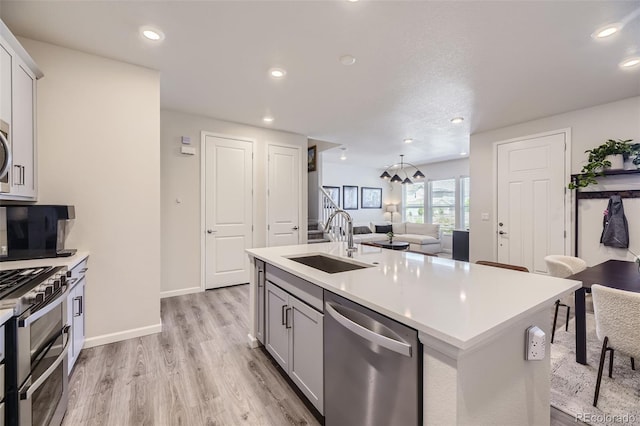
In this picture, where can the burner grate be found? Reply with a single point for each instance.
(15, 278)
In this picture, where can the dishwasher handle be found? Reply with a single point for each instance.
(397, 346)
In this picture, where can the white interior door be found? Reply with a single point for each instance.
(283, 196)
(228, 210)
(531, 205)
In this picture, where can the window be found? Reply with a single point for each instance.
(413, 195)
(465, 184)
(442, 203)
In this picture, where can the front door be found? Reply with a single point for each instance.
(283, 196)
(228, 210)
(531, 203)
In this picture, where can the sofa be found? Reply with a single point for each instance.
(423, 237)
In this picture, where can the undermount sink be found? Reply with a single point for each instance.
(328, 264)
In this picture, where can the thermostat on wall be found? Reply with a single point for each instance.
(188, 150)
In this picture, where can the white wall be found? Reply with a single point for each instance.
(590, 127)
(98, 130)
(180, 177)
(339, 174)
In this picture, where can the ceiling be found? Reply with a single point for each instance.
(418, 64)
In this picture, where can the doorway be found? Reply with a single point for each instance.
(532, 210)
(227, 217)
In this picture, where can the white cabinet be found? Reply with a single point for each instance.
(294, 337)
(18, 74)
(23, 171)
(76, 311)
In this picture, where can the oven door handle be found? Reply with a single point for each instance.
(44, 311)
(28, 393)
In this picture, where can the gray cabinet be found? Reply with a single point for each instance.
(76, 311)
(260, 279)
(294, 337)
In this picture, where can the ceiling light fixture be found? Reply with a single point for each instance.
(343, 156)
(152, 34)
(607, 30)
(277, 72)
(463, 153)
(630, 62)
(347, 60)
(408, 140)
(400, 169)
(267, 119)
(457, 120)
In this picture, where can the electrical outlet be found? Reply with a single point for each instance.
(536, 344)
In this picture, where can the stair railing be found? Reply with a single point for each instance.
(338, 229)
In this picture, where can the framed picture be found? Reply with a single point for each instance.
(371, 198)
(334, 193)
(350, 197)
(311, 159)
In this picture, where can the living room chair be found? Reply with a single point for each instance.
(502, 265)
(617, 325)
(562, 266)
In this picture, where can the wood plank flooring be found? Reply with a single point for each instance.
(198, 371)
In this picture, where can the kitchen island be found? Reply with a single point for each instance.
(471, 321)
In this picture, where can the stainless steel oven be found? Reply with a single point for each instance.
(37, 350)
(5, 157)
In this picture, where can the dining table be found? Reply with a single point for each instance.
(620, 274)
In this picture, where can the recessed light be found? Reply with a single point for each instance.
(408, 140)
(344, 155)
(267, 119)
(152, 34)
(463, 153)
(607, 30)
(347, 60)
(630, 62)
(457, 120)
(352, 1)
(277, 72)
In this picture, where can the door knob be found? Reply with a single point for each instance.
(210, 231)
(295, 228)
(501, 232)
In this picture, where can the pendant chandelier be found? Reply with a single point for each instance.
(401, 169)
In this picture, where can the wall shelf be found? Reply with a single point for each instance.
(591, 195)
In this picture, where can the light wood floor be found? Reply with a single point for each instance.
(198, 371)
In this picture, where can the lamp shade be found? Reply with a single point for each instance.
(406, 180)
(396, 178)
(418, 175)
(391, 208)
(385, 175)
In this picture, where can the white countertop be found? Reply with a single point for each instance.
(5, 314)
(459, 303)
(69, 262)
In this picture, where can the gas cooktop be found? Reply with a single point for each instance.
(18, 286)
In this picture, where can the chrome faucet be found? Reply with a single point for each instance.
(350, 246)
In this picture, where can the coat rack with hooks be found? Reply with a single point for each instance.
(590, 195)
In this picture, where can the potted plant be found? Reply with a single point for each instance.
(609, 155)
(390, 235)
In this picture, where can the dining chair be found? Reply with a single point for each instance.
(502, 265)
(562, 266)
(617, 325)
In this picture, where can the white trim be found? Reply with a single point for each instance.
(122, 335)
(203, 195)
(179, 292)
(568, 222)
(252, 342)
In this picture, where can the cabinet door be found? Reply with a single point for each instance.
(78, 318)
(277, 334)
(23, 182)
(306, 354)
(70, 359)
(260, 279)
(5, 84)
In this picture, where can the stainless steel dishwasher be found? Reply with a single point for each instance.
(372, 365)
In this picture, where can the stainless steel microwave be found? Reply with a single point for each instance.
(5, 157)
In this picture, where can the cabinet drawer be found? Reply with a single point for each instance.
(309, 293)
(79, 270)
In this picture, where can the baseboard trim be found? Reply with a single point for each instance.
(180, 292)
(253, 342)
(122, 335)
